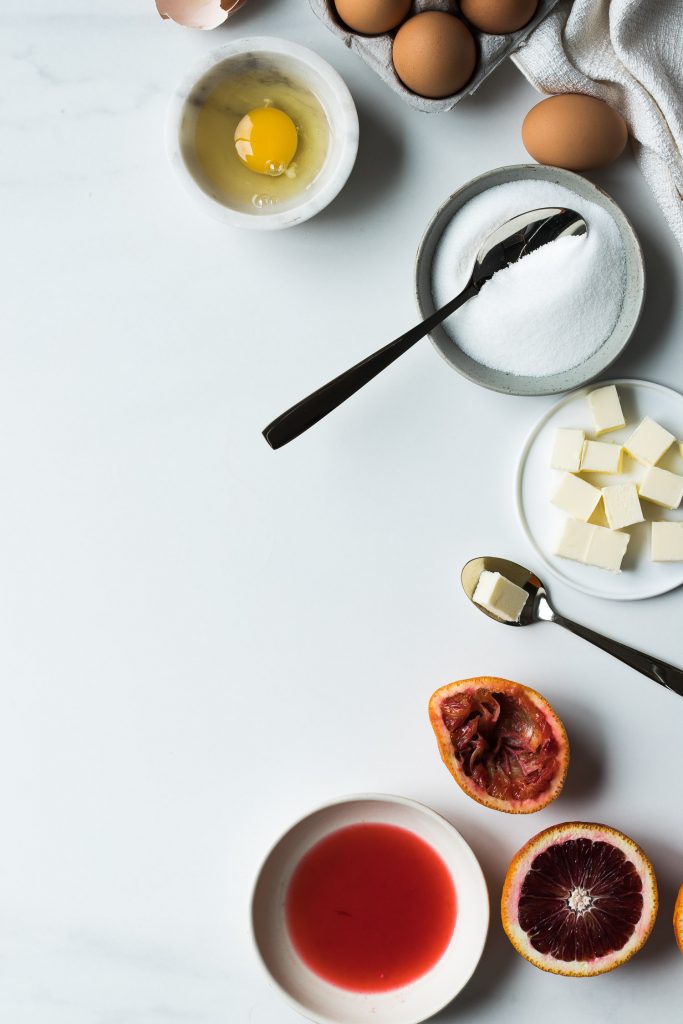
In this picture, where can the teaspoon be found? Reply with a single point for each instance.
(539, 609)
(504, 246)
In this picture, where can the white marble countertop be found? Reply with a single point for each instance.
(201, 638)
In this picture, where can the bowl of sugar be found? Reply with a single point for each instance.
(556, 319)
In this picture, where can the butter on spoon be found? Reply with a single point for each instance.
(539, 609)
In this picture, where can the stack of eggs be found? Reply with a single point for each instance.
(434, 52)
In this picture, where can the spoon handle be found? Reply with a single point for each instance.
(662, 673)
(310, 410)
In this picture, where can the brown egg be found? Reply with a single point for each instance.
(434, 54)
(497, 17)
(372, 17)
(574, 131)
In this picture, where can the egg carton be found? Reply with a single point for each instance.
(376, 50)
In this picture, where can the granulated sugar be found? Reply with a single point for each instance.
(550, 311)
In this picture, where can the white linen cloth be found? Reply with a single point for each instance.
(630, 54)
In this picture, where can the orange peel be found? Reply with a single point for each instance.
(678, 919)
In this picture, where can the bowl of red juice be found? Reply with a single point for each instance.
(372, 908)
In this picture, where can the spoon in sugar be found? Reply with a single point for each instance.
(504, 246)
(539, 609)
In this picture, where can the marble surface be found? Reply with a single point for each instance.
(201, 638)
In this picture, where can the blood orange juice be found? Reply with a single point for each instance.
(371, 907)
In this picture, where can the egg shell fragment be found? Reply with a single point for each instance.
(573, 131)
(204, 14)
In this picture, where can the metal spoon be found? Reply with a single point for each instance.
(505, 245)
(539, 609)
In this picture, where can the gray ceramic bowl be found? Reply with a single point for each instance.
(509, 383)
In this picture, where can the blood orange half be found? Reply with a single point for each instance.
(501, 741)
(678, 919)
(579, 899)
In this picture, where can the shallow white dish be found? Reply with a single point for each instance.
(317, 999)
(542, 521)
(314, 73)
(611, 348)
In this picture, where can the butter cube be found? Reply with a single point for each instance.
(592, 545)
(667, 542)
(622, 505)
(567, 449)
(606, 549)
(648, 442)
(606, 409)
(601, 457)
(576, 497)
(574, 540)
(500, 596)
(661, 487)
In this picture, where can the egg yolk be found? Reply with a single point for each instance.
(266, 140)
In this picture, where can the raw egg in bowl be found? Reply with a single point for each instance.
(263, 133)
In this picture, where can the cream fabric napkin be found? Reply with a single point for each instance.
(630, 54)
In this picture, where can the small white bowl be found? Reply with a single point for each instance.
(336, 100)
(325, 1003)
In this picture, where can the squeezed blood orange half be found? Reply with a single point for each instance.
(502, 742)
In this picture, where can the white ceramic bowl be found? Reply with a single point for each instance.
(312, 72)
(611, 348)
(325, 1003)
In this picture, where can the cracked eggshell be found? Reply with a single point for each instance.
(198, 13)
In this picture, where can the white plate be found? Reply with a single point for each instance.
(641, 577)
(317, 999)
